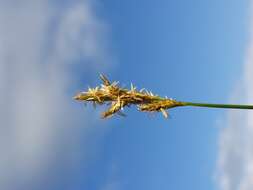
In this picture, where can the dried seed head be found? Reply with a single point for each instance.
(121, 97)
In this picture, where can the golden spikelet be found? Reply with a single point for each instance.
(121, 97)
(146, 101)
(159, 106)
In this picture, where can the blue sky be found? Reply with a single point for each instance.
(188, 50)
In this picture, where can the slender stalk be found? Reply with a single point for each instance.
(228, 106)
(145, 101)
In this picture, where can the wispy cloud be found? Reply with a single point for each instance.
(39, 41)
(235, 161)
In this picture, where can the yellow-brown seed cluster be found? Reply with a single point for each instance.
(121, 97)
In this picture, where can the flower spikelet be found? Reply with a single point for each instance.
(120, 97)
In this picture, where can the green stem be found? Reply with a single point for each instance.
(229, 106)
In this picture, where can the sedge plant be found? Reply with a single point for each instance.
(118, 98)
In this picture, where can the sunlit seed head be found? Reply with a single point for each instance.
(120, 97)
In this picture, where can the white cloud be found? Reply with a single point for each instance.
(39, 128)
(235, 161)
